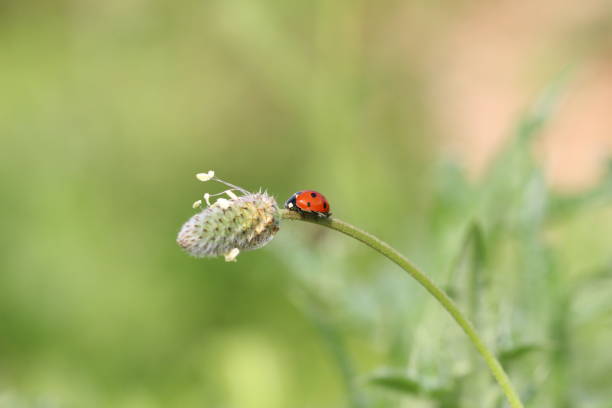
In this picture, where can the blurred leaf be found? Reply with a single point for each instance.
(475, 266)
(514, 165)
(529, 126)
(454, 196)
(471, 258)
(515, 353)
(397, 382)
(543, 108)
(401, 383)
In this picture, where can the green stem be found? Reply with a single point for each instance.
(386, 250)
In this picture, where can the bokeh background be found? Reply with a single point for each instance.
(474, 136)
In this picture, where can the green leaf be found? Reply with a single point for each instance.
(468, 267)
(509, 355)
(404, 384)
(397, 382)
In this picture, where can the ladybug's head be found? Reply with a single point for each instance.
(290, 204)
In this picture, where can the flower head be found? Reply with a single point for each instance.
(228, 226)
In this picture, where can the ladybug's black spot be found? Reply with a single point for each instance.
(308, 203)
(325, 205)
(313, 195)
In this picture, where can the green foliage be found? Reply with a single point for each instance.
(506, 272)
(107, 111)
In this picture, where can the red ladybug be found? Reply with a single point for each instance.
(309, 202)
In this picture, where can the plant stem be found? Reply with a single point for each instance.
(386, 250)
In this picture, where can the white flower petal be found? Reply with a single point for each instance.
(197, 204)
(205, 176)
(223, 203)
(231, 255)
(231, 194)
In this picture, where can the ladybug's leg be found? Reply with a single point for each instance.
(307, 213)
(302, 212)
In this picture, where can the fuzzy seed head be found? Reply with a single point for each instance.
(228, 227)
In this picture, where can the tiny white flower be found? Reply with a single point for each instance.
(223, 203)
(207, 198)
(231, 255)
(231, 194)
(197, 204)
(205, 176)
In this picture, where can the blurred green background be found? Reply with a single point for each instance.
(453, 130)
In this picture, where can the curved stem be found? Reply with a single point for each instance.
(446, 302)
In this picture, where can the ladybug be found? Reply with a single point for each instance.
(309, 202)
